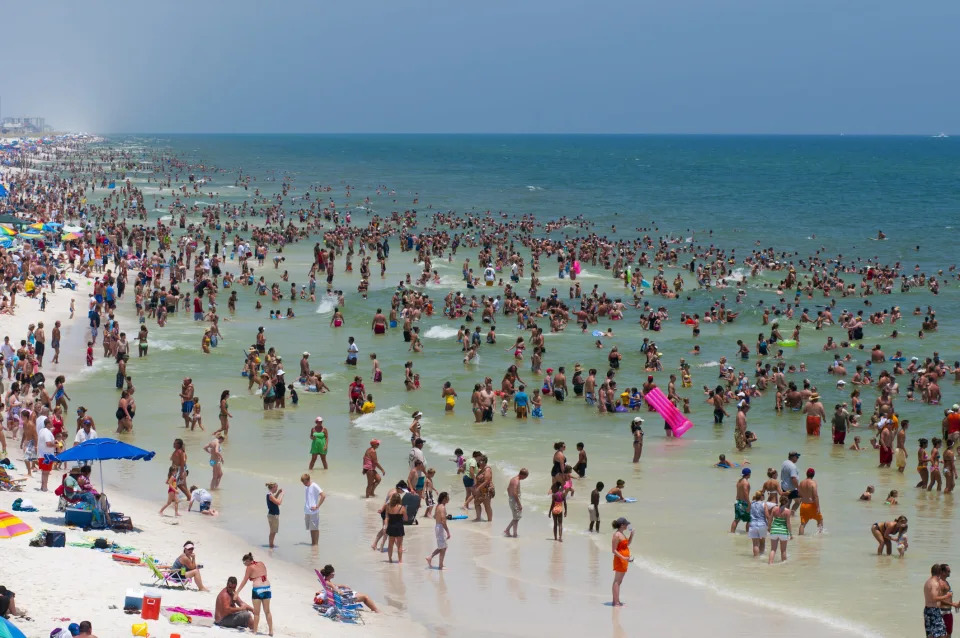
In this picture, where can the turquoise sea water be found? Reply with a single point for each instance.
(798, 194)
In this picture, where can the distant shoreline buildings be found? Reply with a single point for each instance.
(24, 125)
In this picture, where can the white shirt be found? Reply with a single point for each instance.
(41, 422)
(201, 496)
(312, 499)
(45, 442)
(416, 454)
(83, 437)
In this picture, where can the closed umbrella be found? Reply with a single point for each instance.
(101, 449)
(11, 526)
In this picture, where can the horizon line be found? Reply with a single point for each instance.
(503, 133)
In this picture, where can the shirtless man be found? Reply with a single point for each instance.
(590, 387)
(186, 401)
(513, 498)
(740, 430)
(305, 365)
(741, 508)
(810, 502)
(815, 414)
(933, 597)
(41, 343)
(230, 611)
(886, 445)
(379, 326)
(560, 384)
(486, 402)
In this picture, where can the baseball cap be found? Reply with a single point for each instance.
(746, 471)
(374, 441)
(620, 522)
(793, 453)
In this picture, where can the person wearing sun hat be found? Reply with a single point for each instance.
(815, 414)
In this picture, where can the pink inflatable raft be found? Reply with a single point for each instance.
(674, 418)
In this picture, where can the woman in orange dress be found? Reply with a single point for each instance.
(621, 555)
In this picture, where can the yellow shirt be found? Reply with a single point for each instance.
(368, 407)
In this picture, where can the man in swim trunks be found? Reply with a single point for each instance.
(379, 324)
(815, 415)
(186, 400)
(790, 479)
(741, 508)
(946, 607)
(230, 611)
(933, 597)
(886, 443)
(810, 502)
(513, 498)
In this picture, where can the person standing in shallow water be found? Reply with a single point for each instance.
(370, 466)
(483, 491)
(620, 546)
(318, 442)
(274, 501)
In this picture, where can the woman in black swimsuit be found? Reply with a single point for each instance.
(559, 459)
(396, 512)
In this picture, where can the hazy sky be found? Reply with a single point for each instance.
(537, 66)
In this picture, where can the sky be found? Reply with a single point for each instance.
(520, 66)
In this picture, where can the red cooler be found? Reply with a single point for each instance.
(151, 606)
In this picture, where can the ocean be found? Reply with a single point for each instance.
(799, 195)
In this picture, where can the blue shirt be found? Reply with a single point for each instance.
(520, 399)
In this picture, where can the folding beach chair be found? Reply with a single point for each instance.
(10, 484)
(171, 580)
(337, 606)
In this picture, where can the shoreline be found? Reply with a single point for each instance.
(655, 586)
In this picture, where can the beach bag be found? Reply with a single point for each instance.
(121, 523)
(101, 543)
(55, 539)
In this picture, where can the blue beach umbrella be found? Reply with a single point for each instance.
(8, 630)
(101, 450)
